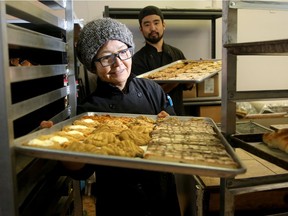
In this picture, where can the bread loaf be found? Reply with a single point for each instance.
(277, 139)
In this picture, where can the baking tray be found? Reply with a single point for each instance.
(253, 144)
(278, 126)
(173, 80)
(135, 163)
(250, 127)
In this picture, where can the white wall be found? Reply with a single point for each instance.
(262, 72)
(192, 37)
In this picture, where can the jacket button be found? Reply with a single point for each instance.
(139, 94)
(139, 186)
(112, 106)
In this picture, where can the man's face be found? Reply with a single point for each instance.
(152, 28)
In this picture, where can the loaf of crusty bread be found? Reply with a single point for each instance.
(277, 139)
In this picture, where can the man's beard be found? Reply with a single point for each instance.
(153, 39)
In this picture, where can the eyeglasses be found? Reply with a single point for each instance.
(109, 60)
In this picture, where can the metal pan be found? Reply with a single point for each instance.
(253, 143)
(179, 79)
(135, 163)
(250, 127)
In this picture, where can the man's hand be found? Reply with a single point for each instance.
(167, 87)
(73, 166)
(189, 86)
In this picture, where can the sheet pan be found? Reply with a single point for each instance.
(253, 144)
(136, 163)
(250, 127)
(179, 80)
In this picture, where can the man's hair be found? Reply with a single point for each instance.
(150, 10)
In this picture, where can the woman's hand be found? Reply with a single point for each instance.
(46, 124)
(162, 114)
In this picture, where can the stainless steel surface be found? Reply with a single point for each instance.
(23, 37)
(24, 107)
(18, 74)
(55, 4)
(136, 163)
(250, 127)
(270, 5)
(71, 57)
(230, 95)
(179, 80)
(28, 11)
(14, 37)
(229, 69)
(231, 49)
(277, 47)
(7, 160)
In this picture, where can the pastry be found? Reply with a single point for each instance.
(187, 70)
(277, 139)
(191, 141)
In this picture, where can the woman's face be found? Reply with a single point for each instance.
(152, 28)
(117, 71)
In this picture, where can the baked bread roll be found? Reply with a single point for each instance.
(277, 139)
(52, 141)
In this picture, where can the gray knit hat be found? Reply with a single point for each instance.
(95, 34)
(149, 10)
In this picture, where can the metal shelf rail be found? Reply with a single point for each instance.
(232, 187)
(180, 14)
(17, 38)
(232, 49)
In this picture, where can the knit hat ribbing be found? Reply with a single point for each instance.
(95, 34)
(149, 10)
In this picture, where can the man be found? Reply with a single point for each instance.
(156, 53)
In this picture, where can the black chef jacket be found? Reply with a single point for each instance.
(131, 192)
(140, 96)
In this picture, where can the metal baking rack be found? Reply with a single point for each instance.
(42, 32)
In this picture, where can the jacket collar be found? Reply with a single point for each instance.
(111, 89)
(165, 48)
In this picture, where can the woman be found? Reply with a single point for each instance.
(105, 47)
